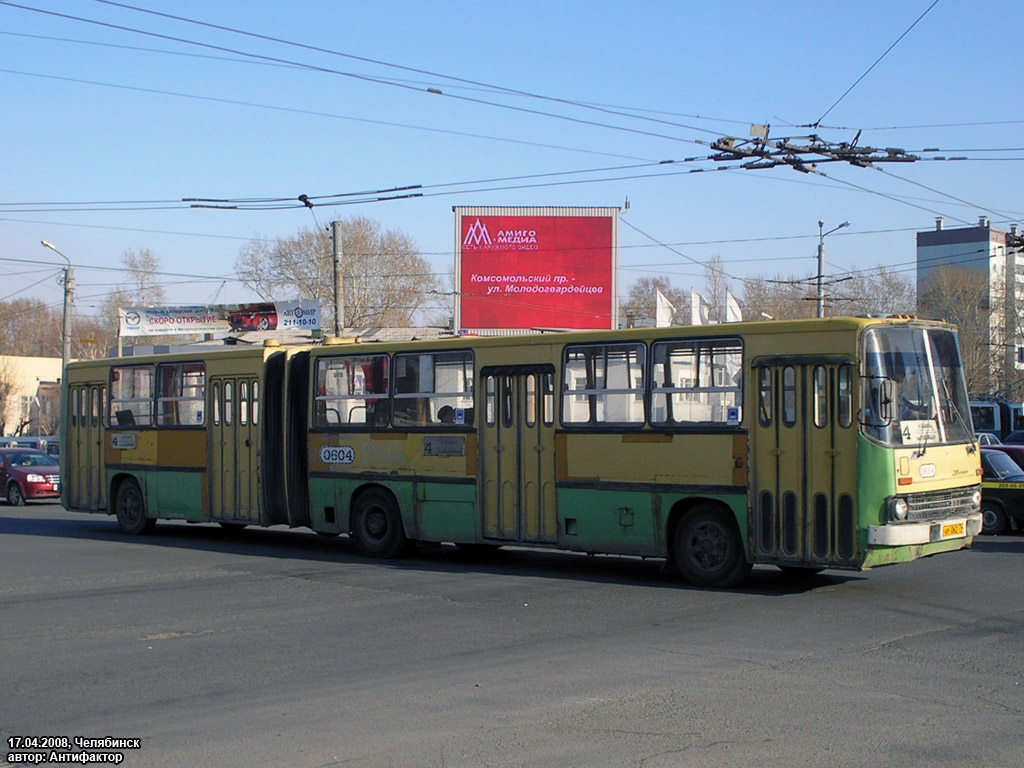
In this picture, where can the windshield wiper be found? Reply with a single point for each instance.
(959, 416)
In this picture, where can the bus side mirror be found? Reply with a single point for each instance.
(886, 401)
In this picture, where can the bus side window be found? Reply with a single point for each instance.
(491, 403)
(789, 396)
(844, 396)
(506, 401)
(531, 399)
(548, 402)
(764, 395)
(243, 402)
(820, 396)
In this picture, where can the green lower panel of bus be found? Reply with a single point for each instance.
(607, 520)
(430, 511)
(629, 522)
(169, 494)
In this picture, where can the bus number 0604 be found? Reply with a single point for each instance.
(337, 454)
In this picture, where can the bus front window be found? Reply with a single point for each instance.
(914, 391)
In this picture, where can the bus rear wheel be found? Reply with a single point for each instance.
(708, 549)
(377, 525)
(130, 508)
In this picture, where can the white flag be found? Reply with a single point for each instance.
(700, 309)
(733, 313)
(664, 312)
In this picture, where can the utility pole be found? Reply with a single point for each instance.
(821, 263)
(69, 293)
(339, 297)
(1014, 252)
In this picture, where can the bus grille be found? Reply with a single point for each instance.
(939, 504)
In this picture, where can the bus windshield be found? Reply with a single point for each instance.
(914, 390)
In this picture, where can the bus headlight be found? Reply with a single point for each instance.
(976, 501)
(898, 508)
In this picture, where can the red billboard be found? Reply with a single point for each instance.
(536, 271)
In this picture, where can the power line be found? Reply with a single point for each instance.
(316, 113)
(378, 62)
(857, 81)
(364, 78)
(976, 124)
(678, 253)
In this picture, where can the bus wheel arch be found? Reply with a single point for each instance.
(376, 522)
(706, 545)
(130, 506)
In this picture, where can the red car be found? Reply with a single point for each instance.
(254, 318)
(28, 474)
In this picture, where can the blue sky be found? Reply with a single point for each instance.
(95, 114)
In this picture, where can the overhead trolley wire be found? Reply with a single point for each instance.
(817, 122)
(353, 75)
(378, 62)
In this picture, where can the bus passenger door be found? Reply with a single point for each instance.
(85, 468)
(97, 488)
(517, 455)
(76, 465)
(234, 467)
(804, 463)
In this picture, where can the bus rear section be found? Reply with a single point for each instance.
(182, 436)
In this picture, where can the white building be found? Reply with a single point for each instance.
(29, 394)
(990, 251)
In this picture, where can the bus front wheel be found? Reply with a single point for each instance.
(377, 525)
(708, 549)
(131, 509)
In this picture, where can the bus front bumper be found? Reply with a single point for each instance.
(927, 532)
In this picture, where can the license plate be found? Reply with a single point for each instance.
(949, 531)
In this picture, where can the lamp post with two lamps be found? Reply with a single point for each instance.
(69, 291)
(821, 263)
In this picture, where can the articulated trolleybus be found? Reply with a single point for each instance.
(836, 443)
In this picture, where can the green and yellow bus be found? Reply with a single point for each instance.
(837, 443)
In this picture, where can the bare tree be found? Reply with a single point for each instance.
(140, 289)
(642, 300)
(778, 297)
(716, 284)
(142, 267)
(28, 327)
(961, 296)
(879, 292)
(385, 280)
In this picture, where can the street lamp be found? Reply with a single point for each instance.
(821, 263)
(69, 290)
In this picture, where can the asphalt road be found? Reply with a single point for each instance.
(278, 648)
